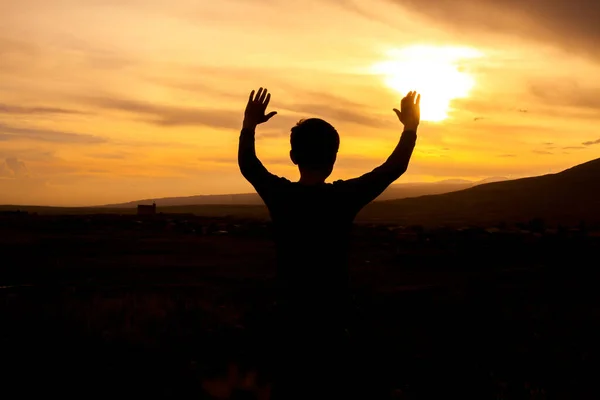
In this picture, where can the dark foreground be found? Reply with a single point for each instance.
(182, 308)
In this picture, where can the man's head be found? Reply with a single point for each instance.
(315, 144)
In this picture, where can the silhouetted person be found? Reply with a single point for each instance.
(312, 221)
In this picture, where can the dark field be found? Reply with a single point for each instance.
(181, 307)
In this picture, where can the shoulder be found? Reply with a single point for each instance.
(278, 183)
(270, 185)
(275, 180)
(283, 181)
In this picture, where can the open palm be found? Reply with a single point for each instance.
(410, 113)
(255, 113)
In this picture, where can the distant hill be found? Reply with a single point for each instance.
(397, 191)
(407, 190)
(566, 197)
(218, 199)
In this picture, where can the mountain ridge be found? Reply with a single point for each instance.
(396, 191)
(564, 197)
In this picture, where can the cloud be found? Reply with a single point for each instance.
(341, 114)
(18, 168)
(16, 53)
(590, 143)
(9, 132)
(13, 168)
(163, 115)
(109, 156)
(4, 171)
(543, 152)
(507, 155)
(202, 87)
(166, 115)
(572, 25)
(19, 110)
(336, 110)
(567, 93)
(574, 147)
(351, 6)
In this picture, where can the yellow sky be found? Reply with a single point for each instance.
(105, 101)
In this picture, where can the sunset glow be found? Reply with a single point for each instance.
(435, 72)
(111, 101)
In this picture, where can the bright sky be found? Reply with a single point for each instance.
(106, 101)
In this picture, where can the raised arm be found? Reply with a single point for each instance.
(370, 185)
(250, 166)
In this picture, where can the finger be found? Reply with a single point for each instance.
(251, 96)
(263, 96)
(257, 97)
(270, 115)
(267, 100)
(419, 99)
(398, 113)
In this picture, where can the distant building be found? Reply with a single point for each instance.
(146, 210)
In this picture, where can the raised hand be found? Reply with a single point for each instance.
(410, 115)
(256, 108)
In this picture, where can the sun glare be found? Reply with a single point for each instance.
(435, 72)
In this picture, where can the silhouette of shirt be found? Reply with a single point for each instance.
(312, 225)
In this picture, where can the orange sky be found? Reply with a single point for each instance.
(105, 101)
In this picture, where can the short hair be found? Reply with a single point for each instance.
(315, 143)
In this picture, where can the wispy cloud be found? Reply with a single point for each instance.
(16, 53)
(21, 110)
(9, 133)
(18, 168)
(164, 115)
(336, 110)
(4, 171)
(172, 116)
(109, 156)
(570, 24)
(13, 168)
(592, 142)
(342, 115)
(567, 93)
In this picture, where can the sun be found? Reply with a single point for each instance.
(435, 72)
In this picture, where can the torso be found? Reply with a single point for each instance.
(312, 227)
